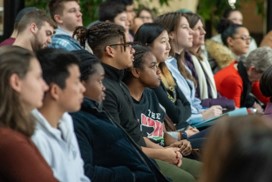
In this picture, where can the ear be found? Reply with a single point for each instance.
(33, 27)
(84, 83)
(15, 82)
(171, 35)
(58, 19)
(251, 68)
(135, 72)
(54, 91)
(230, 41)
(110, 51)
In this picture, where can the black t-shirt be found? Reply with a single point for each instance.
(151, 116)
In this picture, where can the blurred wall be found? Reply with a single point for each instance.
(173, 5)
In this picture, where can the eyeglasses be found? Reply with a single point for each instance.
(244, 38)
(125, 45)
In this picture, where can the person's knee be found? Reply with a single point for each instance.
(181, 175)
(191, 166)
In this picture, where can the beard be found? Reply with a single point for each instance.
(38, 43)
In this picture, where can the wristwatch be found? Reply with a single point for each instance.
(184, 135)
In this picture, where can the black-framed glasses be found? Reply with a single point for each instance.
(244, 38)
(125, 45)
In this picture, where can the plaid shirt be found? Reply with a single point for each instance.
(61, 39)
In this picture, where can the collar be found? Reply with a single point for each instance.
(64, 128)
(62, 31)
(113, 73)
(89, 104)
(92, 107)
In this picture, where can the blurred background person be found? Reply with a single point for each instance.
(243, 148)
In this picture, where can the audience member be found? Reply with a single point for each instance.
(266, 89)
(236, 17)
(22, 89)
(107, 157)
(110, 45)
(181, 66)
(169, 95)
(114, 12)
(35, 30)
(234, 81)
(243, 147)
(237, 39)
(129, 8)
(68, 16)
(130, 15)
(206, 89)
(140, 79)
(145, 14)
(21, 13)
(54, 135)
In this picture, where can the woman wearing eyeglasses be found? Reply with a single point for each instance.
(237, 39)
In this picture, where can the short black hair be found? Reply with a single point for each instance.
(87, 63)
(140, 53)
(147, 33)
(229, 31)
(55, 63)
(125, 2)
(109, 10)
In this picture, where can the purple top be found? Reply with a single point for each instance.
(8, 41)
(268, 109)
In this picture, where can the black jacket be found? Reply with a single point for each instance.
(179, 111)
(119, 104)
(108, 152)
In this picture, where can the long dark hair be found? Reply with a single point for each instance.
(14, 60)
(170, 21)
(146, 35)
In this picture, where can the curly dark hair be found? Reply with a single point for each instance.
(99, 36)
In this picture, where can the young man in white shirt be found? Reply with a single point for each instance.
(54, 135)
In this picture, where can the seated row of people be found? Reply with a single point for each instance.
(173, 93)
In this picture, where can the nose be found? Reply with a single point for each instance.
(132, 50)
(82, 88)
(158, 72)
(203, 31)
(191, 32)
(49, 40)
(79, 13)
(103, 87)
(168, 46)
(44, 85)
